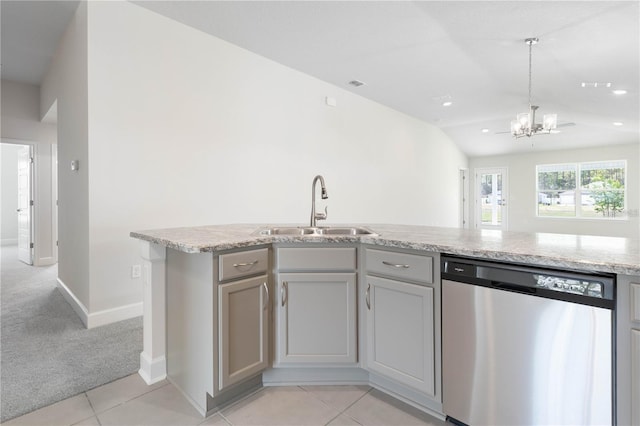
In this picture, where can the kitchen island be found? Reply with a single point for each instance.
(618, 256)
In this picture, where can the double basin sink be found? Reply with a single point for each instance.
(312, 231)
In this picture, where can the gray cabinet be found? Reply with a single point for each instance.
(635, 376)
(635, 351)
(628, 349)
(243, 329)
(217, 323)
(400, 336)
(402, 298)
(316, 306)
(243, 315)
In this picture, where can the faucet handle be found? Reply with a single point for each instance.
(322, 216)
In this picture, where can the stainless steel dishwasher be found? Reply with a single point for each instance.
(526, 346)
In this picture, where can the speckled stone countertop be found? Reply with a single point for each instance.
(575, 252)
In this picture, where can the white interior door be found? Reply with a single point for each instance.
(491, 198)
(25, 205)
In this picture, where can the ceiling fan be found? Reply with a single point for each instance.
(553, 131)
(525, 123)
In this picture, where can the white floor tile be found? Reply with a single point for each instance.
(280, 406)
(115, 393)
(91, 421)
(214, 420)
(338, 397)
(130, 402)
(63, 413)
(343, 420)
(163, 406)
(378, 409)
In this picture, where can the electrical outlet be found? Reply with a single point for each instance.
(136, 271)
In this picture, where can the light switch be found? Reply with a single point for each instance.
(75, 165)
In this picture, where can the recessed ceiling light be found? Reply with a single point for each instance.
(485, 130)
(619, 92)
(447, 103)
(357, 83)
(617, 123)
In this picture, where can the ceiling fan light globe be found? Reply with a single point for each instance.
(525, 120)
(516, 127)
(550, 121)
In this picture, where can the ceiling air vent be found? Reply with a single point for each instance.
(356, 83)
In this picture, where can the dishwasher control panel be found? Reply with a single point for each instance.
(569, 285)
(574, 286)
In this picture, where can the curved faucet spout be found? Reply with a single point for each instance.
(323, 193)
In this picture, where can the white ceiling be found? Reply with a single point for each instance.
(413, 55)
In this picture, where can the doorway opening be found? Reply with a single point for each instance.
(17, 199)
(29, 197)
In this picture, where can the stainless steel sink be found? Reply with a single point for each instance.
(315, 231)
(339, 230)
(286, 231)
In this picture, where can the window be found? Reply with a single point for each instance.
(583, 190)
(556, 190)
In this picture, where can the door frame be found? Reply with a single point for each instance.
(32, 189)
(464, 220)
(44, 178)
(504, 197)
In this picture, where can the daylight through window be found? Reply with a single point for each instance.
(582, 190)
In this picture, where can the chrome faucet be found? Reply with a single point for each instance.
(317, 216)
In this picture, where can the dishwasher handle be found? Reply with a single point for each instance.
(513, 287)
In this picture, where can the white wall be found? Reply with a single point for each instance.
(21, 124)
(65, 87)
(522, 186)
(185, 129)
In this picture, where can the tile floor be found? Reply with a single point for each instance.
(129, 401)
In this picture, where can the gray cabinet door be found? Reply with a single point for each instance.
(243, 329)
(316, 318)
(635, 377)
(400, 332)
(635, 353)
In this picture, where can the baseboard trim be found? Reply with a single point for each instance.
(45, 261)
(75, 303)
(152, 370)
(108, 316)
(96, 319)
(301, 376)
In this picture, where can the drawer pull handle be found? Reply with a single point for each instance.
(240, 265)
(285, 292)
(367, 297)
(266, 290)
(396, 265)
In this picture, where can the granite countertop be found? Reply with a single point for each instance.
(564, 251)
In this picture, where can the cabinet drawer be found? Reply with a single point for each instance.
(317, 259)
(635, 302)
(400, 265)
(243, 264)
